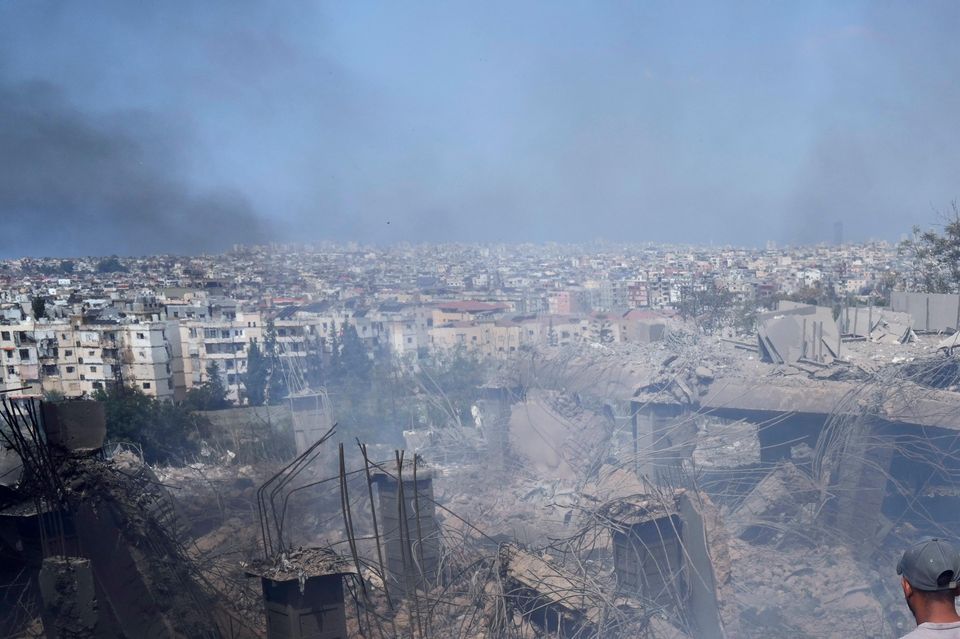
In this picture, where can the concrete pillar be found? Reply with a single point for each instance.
(648, 559)
(665, 436)
(409, 529)
(69, 598)
(311, 610)
(495, 414)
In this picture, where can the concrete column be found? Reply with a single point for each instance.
(664, 438)
(495, 410)
(311, 610)
(69, 598)
(409, 529)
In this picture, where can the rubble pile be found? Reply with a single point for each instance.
(679, 488)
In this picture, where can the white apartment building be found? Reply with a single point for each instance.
(223, 341)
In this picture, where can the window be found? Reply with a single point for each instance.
(98, 385)
(24, 353)
(68, 353)
(9, 354)
(93, 369)
(146, 386)
(91, 353)
(5, 335)
(141, 336)
(83, 377)
(11, 370)
(70, 369)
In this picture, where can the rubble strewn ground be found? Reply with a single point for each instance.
(528, 520)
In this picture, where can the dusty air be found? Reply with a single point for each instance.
(479, 320)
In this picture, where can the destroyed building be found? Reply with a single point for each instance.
(625, 492)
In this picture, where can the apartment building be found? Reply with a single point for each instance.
(224, 342)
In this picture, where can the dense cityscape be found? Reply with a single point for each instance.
(479, 320)
(75, 326)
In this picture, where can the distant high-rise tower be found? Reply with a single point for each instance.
(838, 233)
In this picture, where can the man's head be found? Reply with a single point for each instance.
(929, 574)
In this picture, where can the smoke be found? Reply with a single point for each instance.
(76, 182)
(184, 126)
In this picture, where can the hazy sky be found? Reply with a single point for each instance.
(131, 127)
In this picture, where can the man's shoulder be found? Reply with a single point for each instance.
(935, 631)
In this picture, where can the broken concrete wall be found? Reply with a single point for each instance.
(799, 334)
(877, 324)
(666, 438)
(930, 311)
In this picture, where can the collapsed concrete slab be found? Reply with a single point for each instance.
(798, 334)
(774, 504)
(550, 597)
(880, 324)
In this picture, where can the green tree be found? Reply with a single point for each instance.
(110, 265)
(313, 362)
(450, 387)
(935, 257)
(167, 433)
(354, 357)
(67, 266)
(277, 388)
(257, 375)
(334, 363)
(211, 394)
(39, 306)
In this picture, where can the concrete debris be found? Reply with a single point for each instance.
(879, 324)
(772, 509)
(300, 564)
(679, 488)
(798, 334)
(930, 311)
(75, 426)
(726, 444)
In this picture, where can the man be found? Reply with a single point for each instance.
(929, 572)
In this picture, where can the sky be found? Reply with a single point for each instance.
(185, 127)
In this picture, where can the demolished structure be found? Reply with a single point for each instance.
(689, 487)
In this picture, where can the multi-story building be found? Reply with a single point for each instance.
(222, 342)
